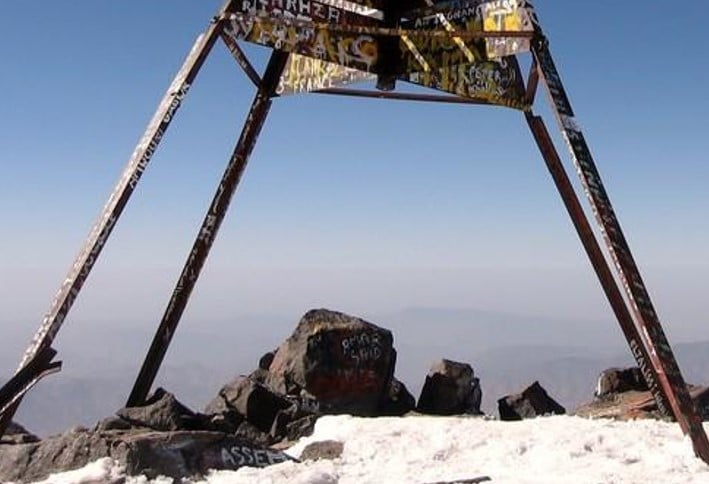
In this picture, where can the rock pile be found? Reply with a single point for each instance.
(623, 394)
(162, 437)
(332, 363)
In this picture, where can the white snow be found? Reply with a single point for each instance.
(429, 449)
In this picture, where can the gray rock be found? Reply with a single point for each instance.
(226, 420)
(325, 449)
(251, 433)
(344, 362)
(35, 461)
(534, 401)
(251, 399)
(450, 389)
(17, 434)
(113, 423)
(161, 411)
(175, 454)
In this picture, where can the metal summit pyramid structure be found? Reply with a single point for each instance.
(469, 50)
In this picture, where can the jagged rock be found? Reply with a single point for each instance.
(34, 461)
(113, 423)
(325, 449)
(534, 401)
(161, 411)
(450, 389)
(17, 434)
(259, 375)
(344, 362)
(303, 427)
(617, 380)
(255, 401)
(227, 421)
(251, 433)
(398, 400)
(175, 454)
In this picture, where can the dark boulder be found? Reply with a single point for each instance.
(397, 401)
(450, 389)
(161, 411)
(264, 363)
(257, 403)
(534, 401)
(619, 380)
(343, 362)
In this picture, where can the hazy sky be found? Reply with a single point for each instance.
(363, 206)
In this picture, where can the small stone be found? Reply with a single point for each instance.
(325, 449)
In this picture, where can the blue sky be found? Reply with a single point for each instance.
(364, 206)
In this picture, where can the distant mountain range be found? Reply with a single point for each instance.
(508, 352)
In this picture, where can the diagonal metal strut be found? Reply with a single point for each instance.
(210, 226)
(653, 337)
(138, 162)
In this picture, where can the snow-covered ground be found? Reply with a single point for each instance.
(432, 449)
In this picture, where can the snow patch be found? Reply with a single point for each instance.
(550, 450)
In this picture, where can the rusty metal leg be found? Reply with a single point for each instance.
(595, 255)
(137, 164)
(208, 231)
(653, 337)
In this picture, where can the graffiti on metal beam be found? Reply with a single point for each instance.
(301, 9)
(357, 51)
(495, 82)
(305, 74)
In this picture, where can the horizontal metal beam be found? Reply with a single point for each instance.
(400, 96)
